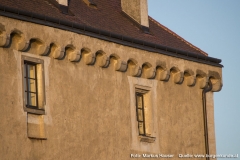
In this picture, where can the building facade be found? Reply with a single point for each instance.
(88, 80)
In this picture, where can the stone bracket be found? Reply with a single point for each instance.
(121, 66)
(178, 77)
(103, 61)
(59, 53)
(43, 50)
(163, 75)
(191, 80)
(74, 56)
(89, 58)
(4, 40)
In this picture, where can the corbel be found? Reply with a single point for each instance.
(191, 80)
(203, 82)
(135, 70)
(103, 61)
(178, 77)
(163, 75)
(149, 73)
(4, 40)
(74, 55)
(216, 85)
(23, 44)
(59, 53)
(120, 66)
(89, 58)
(43, 50)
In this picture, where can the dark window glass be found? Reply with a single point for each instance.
(140, 114)
(30, 84)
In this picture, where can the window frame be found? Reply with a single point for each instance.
(27, 82)
(144, 91)
(40, 87)
(142, 112)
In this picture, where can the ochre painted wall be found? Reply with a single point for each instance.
(88, 111)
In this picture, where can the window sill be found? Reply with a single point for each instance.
(34, 111)
(147, 139)
(37, 138)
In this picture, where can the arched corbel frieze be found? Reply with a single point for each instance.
(102, 59)
(203, 82)
(43, 49)
(119, 65)
(23, 45)
(162, 74)
(177, 75)
(4, 39)
(202, 79)
(73, 54)
(57, 51)
(35, 46)
(148, 71)
(88, 56)
(216, 81)
(189, 77)
(19, 41)
(133, 68)
(216, 85)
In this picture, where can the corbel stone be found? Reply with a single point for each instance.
(178, 77)
(74, 56)
(163, 75)
(89, 58)
(59, 53)
(191, 80)
(149, 73)
(217, 85)
(103, 61)
(43, 50)
(135, 70)
(23, 45)
(4, 40)
(203, 82)
(120, 66)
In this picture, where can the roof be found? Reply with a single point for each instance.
(108, 16)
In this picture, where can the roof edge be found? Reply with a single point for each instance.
(105, 35)
(177, 36)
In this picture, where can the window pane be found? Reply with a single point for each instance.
(31, 71)
(139, 101)
(140, 115)
(24, 70)
(26, 100)
(25, 82)
(141, 128)
(32, 99)
(32, 85)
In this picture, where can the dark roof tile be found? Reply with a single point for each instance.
(109, 17)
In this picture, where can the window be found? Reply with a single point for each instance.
(143, 114)
(140, 114)
(33, 85)
(30, 85)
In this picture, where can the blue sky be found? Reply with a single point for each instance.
(214, 27)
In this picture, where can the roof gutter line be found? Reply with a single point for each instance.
(102, 34)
